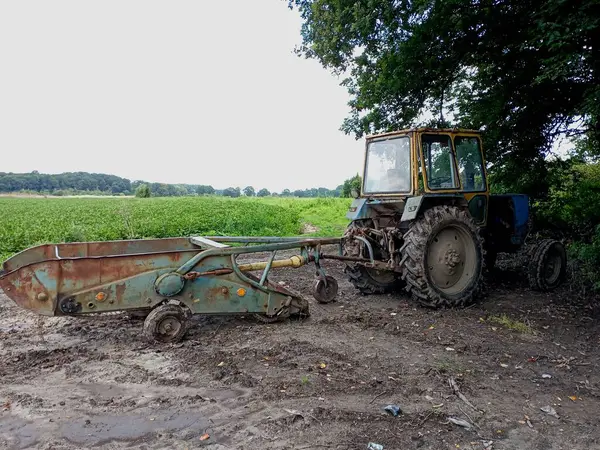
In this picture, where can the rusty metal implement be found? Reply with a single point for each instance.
(169, 279)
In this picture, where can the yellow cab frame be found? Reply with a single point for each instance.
(476, 200)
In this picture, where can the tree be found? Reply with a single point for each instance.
(142, 191)
(351, 183)
(286, 193)
(249, 191)
(205, 190)
(323, 192)
(263, 193)
(232, 192)
(525, 71)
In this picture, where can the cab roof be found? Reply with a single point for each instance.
(422, 130)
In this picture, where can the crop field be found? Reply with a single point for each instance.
(25, 222)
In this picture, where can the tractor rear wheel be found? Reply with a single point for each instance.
(442, 258)
(372, 281)
(368, 280)
(548, 265)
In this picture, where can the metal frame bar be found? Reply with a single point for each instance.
(272, 239)
(263, 278)
(288, 244)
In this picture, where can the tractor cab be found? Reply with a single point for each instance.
(426, 213)
(424, 160)
(427, 165)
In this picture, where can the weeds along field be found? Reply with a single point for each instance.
(25, 222)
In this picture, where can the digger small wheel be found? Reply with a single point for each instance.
(166, 324)
(548, 265)
(326, 290)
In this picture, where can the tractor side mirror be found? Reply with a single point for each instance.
(354, 193)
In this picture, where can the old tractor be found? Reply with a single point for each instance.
(428, 224)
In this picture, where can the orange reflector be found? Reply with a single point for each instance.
(100, 296)
(241, 292)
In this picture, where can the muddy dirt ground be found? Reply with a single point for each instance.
(320, 383)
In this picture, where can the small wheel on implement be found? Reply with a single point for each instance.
(166, 324)
(326, 290)
(548, 265)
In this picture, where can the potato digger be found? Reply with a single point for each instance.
(424, 222)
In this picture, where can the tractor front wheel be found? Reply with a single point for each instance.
(442, 258)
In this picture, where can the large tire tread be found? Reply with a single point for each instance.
(365, 284)
(360, 278)
(535, 273)
(413, 261)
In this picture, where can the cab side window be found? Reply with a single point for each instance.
(439, 161)
(470, 163)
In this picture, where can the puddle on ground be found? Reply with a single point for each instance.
(17, 433)
(132, 428)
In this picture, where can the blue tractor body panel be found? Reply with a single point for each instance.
(508, 221)
(521, 204)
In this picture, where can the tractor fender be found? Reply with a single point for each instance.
(357, 209)
(415, 205)
(373, 208)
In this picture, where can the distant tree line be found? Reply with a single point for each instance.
(75, 181)
(71, 183)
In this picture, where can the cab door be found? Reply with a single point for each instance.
(453, 164)
(471, 170)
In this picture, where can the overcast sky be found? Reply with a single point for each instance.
(177, 92)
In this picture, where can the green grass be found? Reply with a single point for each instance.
(25, 222)
(449, 365)
(511, 324)
(328, 215)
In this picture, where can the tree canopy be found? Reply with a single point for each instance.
(524, 71)
(143, 191)
(351, 183)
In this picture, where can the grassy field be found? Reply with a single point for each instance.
(25, 222)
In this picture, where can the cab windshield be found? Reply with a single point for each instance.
(388, 166)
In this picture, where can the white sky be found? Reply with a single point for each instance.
(177, 92)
